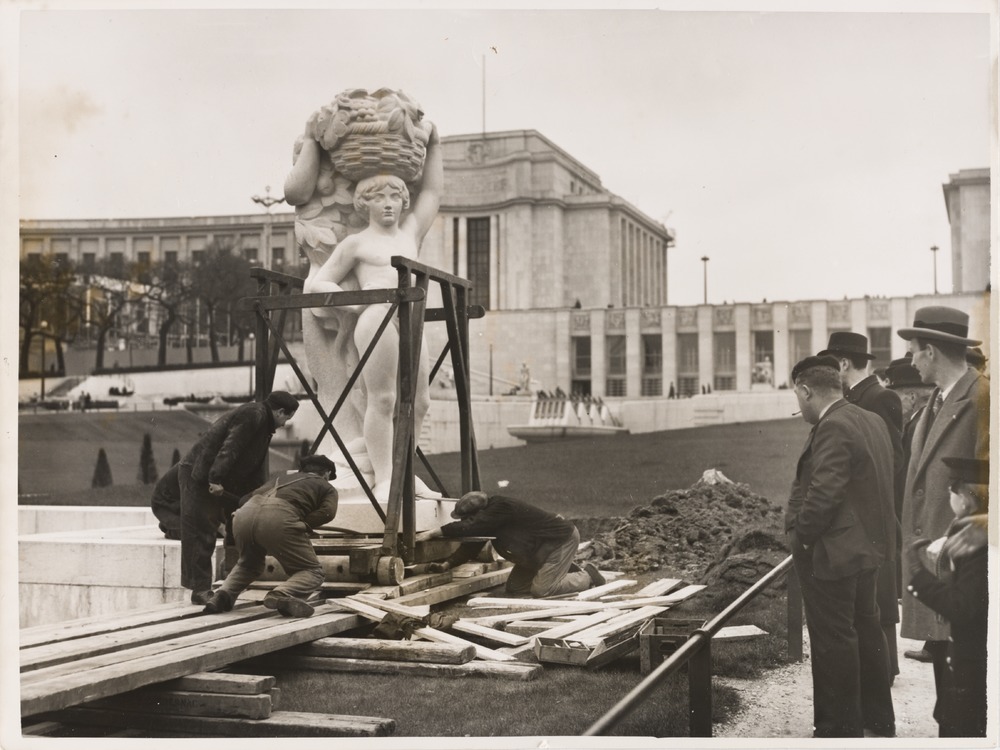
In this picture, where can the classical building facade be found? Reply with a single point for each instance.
(967, 199)
(574, 278)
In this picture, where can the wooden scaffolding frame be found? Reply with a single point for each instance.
(277, 293)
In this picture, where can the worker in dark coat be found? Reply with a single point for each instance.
(166, 503)
(276, 519)
(955, 586)
(863, 389)
(541, 544)
(227, 462)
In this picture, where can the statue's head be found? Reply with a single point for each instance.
(370, 185)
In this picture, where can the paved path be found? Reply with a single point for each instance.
(779, 704)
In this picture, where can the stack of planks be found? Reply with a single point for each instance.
(206, 704)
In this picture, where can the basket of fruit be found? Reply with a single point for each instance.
(379, 133)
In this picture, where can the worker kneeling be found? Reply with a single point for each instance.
(541, 544)
(276, 520)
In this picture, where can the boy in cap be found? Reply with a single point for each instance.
(541, 544)
(227, 462)
(276, 520)
(955, 423)
(954, 584)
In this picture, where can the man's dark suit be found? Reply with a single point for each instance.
(839, 515)
(871, 396)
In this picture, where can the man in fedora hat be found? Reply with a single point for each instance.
(541, 544)
(838, 517)
(276, 520)
(863, 389)
(956, 424)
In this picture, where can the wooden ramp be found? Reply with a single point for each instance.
(103, 657)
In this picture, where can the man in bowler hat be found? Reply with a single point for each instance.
(955, 424)
(839, 519)
(863, 388)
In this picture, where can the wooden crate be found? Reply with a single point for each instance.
(660, 637)
(590, 653)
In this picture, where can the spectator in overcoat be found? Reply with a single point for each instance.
(839, 518)
(955, 423)
(864, 389)
(227, 462)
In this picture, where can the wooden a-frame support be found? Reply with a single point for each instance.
(277, 293)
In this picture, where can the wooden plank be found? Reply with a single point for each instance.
(457, 588)
(188, 703)
(738, 633)
(430, 634)
(524, 654)
(511, 669)
(673, 598)
(374, 648)
(660, 587)
(571, 608)
(87, 626)
(42, 690)
(51, 654)
(598, 591)
(489, 634)
(615, 625)
(581, 624)
(529, 628)
(394, 606)
(278, 724)
(221, 682)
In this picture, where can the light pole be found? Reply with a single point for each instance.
(267, 201)
(704, 260)
(41, 327)
(934, 249)
(251, 337)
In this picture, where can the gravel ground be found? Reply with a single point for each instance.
(779, 703)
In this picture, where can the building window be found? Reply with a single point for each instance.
(799, 346)
(763, 358)
(880, 346)
(652, 365)
(197, 256)
(89, 262)
(277, 257)
(170, 257)
(61, 260)
(687, 364)
(477, 242)
(250, 253)
(581, 366)
(117, 262)
(616, 363)
(724, 358)
(143, 258)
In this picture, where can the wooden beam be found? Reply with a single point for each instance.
(221, 682)
(616, 625)
(278, 724)
(65, 685)
(570, 608)
(393, 605)
(580, 624)
(457, 588)
(188, 703)
(375, 648)
(489, 634)
(510, 669)
(599, 591)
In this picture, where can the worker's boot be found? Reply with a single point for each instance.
(201, 597)
(221, 601)
(289, 606)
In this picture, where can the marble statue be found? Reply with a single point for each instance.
(353, 171)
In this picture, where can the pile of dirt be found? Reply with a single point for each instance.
(716, 529)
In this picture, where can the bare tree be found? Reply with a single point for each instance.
(169, 286)
(113, 290)
(221, 278)
(45, 296)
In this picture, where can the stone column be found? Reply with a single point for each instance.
(706, 353)
(633, 354)
(744, 347)
(463, 249)
(669, 333)
(779, 322)
(899, 318)
(859, 317)
(598, 353)
(563, 351)
(819, 332)
(494, 265)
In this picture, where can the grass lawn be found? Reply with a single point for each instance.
(611, 475)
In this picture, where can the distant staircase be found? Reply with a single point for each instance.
(65, 386)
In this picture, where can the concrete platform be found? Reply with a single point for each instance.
(78, 562)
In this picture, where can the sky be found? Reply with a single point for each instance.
(803, 152)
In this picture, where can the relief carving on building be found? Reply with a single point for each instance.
(478, 152)
(649, 319)
(838, 312)
(687, 317)
(723, 316)
(878, 310)
(615, 320)
(580, 321)
(762, 316)
(800, 313)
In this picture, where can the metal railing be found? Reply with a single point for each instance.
(696, 653)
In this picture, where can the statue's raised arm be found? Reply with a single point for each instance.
(425, 207)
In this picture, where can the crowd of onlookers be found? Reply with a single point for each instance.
(889, 507)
